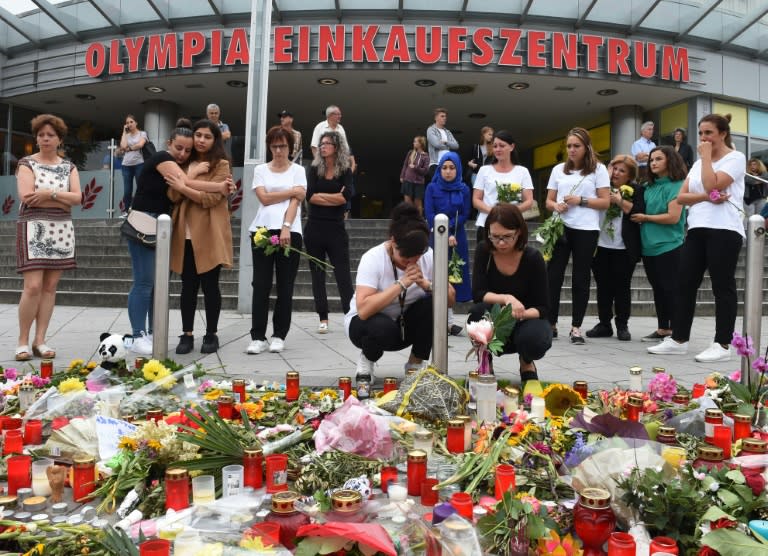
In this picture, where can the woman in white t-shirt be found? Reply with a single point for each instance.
(714, 190)
(504, 171)
(281, 186)
(578, 190)
(392, 305)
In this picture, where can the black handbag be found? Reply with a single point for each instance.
(148, 150)
(140, 227)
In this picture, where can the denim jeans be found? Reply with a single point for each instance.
(140, 296)
(129, 172)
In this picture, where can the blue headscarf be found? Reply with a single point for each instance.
(457, 184)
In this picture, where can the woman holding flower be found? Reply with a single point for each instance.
(578, 190)
(281, 186)
(504, 180)
(713, 190)
(328, 190)
(618, 250)
(509, 272)
(662, 229)
(392, 305)
(449, 195)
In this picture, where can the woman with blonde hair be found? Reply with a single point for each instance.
(48, 186)
(755, 190)
(482, 153)
(413, 173)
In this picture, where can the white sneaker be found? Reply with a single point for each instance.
(669, 347)
(142, 345)
(322, 328)
(257, 346)
(364, 367)
(713, 353)
(276, 345)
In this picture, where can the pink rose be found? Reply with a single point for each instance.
(714, 195)
(274, 240)
(480, 332)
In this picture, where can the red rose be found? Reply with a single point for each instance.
(722, 523)
(706, 551)
(754, 479)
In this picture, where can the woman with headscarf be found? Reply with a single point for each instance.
(448, 194)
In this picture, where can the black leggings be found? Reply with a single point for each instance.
(613, 269)
(663, 272)
(191, 282)
(329, 237)
(531, 338)
(582, 244)
(716, 251)
(380, 333)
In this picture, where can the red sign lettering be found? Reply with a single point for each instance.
(133, 46)
(536, 49)
(456, 43)
(216, 40)
(330, 41)
(592, 42)
(674, 63)
(192, 45)
(283, 44)
(564, 49)
(433, 53)
(237, 53)
(508, 56)
(618, 53)
(162, 52)
(481, 39)
(397, 46)
(645, 59)
(95, 59)
(362, 43)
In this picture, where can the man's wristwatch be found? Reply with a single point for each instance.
(287, 224)
(583, 202)
(54, 194)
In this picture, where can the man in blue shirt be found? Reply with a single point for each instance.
(642, 148)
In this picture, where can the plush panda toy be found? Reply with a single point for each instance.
(111, 351)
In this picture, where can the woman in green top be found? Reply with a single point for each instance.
(661, 233)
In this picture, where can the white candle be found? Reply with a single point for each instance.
(397, 493)
(636, 379)
(537, 407)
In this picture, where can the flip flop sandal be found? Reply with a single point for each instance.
(44, 351)
(22, 353)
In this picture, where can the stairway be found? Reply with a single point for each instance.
(103, 278)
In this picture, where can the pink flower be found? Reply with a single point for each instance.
(11, 374)
(714, 195)
(39, 382)
(742, 345)
(735, 376)
(760, 365)
(274, 240)
(480, 332)
(662, 387)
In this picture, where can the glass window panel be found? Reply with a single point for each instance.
(9, 37)
(86, 15)
(666, 17)
(236, 6)
(18, 6)
(758, 149)
(754, 37)
(499, 6)
(303, 5)
(740, 143)
(46, 27)
(673, 117)
(758, 122)
(607, 11)
(190, 8)
(558, 8)
(368, 4)
(433, 5)
(711, 27)
(738, 115)
(136, 11)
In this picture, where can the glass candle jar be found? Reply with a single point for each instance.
(226, 407)
(155, 547)
(712, 417)
(698, 390)
(19, 473)
(46, 368)
(238, 390)
(634, 408)
(467, 431)
(277, 472)
(582, 388)
(347, 507)
(636, 379)
(709, 457)
(486, 399)
(429, 496)
(252, 467)
(287, 516)
(742, 426)
(84, 469)
(593, 519)
(463, 504)
(13, 443)
(511, 397)
(154, 415)
(455, 436)
(26, 396)
(176, 489)
(232, 478)
(33, 432)
(667, 545)
(621, 544)
(291, 386)
(139, 362)
(203, 490)
(666, 435)
(505, 479)
(422, 440)
(417, 469)
(390, 383)
(40, 484)
(657, 370)
(345, 387)
(388, 475)
(722, 439)
(538, 408)
(753, 446)
(472, 388)
(363, 387)
(681, 398)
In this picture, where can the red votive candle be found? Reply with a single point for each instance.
(253, 460)
(417, 470)
(345, 387)
(291, 386)
(176, 489)
(582, 388)
(390, 383)
(742, 426)
(268, 531)
(155, 547)
(428, 495)
(84, 471)
(12, 423)
(388, 475)
(462, 503)
(33, 432)
(226, 407)
(698, 391)
(277, 472)
(663, 544)
(238, 390)
(46, 368)
(505, 479)
(722, 439)
(14, 443)
(455, 436)
(621, 544)
(19, 473)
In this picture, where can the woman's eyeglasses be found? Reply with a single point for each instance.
(506, 238)
(278, 147)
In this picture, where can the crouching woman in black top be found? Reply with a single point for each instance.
(508, 272)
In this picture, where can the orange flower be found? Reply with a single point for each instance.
(254, 410)
(299, 418)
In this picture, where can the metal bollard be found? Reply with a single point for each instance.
(753, 290)
(440, 295)
(161, 295)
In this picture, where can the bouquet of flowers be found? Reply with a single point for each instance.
(548, 233)
(489, 334)
(615, 211)
(271, 243)
(509, 192)
(454, 268)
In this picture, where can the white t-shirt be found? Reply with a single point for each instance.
(321, 128)
(605, 239)
(487, 178)
(723, 216)
(273, 216)
(443, 138)
(375, 271)
(576, 217)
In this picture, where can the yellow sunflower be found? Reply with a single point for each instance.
(70, 385)
(75, 364)
(213, 394)
(91, 365)
(127, 443)
(559, 398)
(154, 444)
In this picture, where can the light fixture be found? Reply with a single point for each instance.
(154, 89)
(52, 101)
(459, 89)
(607, 92)
(425, 83)
(518, 86)
(476, 115)
(237, 84)
(84, 96)
(328, 81)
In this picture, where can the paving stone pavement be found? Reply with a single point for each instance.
(322, 358)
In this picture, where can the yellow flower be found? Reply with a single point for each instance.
(165, 379)
(515, 187)
(91, 365)
(254, 410)
(253, 541)
(154, 370)
(559, 398)
(269, 396)
(127, 443)
(36, 551)
(213, 394)
(75, 363)
(627, 190)
(154, 444)
(333, 394)
(70, 385)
